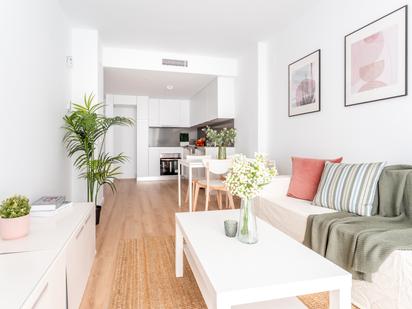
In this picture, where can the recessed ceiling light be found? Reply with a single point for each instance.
(169, 87)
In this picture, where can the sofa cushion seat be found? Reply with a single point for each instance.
(289, 214)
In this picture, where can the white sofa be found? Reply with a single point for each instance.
(391, 286)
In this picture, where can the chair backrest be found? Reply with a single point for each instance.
(217, 167)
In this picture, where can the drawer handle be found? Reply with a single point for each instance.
(88, 218)
(41, 295)
(79, 232)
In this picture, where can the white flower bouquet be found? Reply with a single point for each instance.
(248, 177)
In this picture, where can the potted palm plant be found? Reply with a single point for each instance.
(14, 217)
(86, 129)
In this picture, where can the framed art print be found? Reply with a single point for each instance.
(304, 85)
(376, 60)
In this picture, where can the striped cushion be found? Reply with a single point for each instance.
(349, 187)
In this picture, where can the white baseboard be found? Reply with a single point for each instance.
(157, 178)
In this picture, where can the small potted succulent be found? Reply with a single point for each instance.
(14, 217)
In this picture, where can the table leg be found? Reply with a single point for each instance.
(340, 299)
(179, 184)
(179, 252)
(190, 189)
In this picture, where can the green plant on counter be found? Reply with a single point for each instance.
(14, 207)
(86, 129)
(222, 138)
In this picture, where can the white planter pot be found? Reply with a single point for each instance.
(15, 227)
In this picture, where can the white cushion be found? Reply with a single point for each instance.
(288, 214)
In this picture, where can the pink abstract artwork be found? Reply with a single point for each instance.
(374, 61)
(304, 85)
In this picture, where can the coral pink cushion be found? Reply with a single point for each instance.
(306, 175)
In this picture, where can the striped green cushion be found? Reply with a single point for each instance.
(349, 187)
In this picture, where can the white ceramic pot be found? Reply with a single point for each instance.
(15, 227)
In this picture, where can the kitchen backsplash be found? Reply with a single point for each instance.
(168, 137)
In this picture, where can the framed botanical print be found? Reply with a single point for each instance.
(304, 85)
(376, 60)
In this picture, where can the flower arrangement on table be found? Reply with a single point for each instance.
(246, 179)
(221, 139)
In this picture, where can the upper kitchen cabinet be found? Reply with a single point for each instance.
(124, 100)
(185, 113)
(142, 110)
(214, 101)
(169, 113)
(154, 113)
(140, 102)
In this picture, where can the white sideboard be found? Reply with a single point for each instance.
(50, 267)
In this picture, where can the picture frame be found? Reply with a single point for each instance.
(376, 60)
(304, 85)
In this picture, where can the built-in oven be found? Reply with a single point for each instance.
(168, 163)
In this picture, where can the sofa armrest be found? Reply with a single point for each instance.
(277, 188)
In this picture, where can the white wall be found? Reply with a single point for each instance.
(86, 78)
(34, 94)
(369, 132)
(246, 98)
(85, 71)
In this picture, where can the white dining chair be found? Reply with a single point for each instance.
(218, 168)
(194, 158)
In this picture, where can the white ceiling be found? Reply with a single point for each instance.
(153, 83)
(212, 27)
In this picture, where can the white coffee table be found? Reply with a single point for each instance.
(268, 274)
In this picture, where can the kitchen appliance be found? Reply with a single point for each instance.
(169, 163)
(184, 139)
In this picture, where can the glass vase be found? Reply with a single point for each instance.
(247, 232)
(221, 153)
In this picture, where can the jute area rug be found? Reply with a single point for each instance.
(145, 279)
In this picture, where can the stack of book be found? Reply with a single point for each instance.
(48, 206)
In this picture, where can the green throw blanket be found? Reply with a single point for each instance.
(361, 244)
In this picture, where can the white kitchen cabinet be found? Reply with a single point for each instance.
(226, 97)
(202, 108)
(184, 113)
(154, 113)
(169, 115)
(214, 101)
(142, 151)
(142, 111)
(154, 162)
(124, 100)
